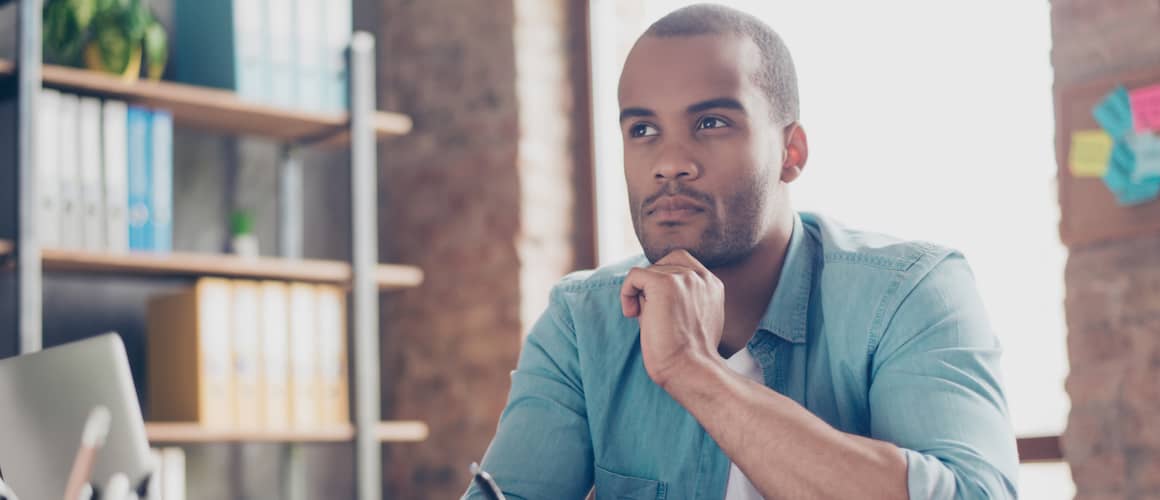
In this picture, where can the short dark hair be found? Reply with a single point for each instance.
(777, 76)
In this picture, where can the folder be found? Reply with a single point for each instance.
(304, 375)
(338, 35)
(247, 346)
(332, 355)
(91, 190)
(48, 169)
(71, 220)
(310, 70)
(140, 180)
(161, 167)
(275, 354)
(283, 45)
(223, 44)
(174, 462)
(114, 151)
(190, 369)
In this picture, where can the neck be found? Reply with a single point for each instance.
(750, 284)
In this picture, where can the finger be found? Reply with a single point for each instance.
(630, 293)
(681, 257)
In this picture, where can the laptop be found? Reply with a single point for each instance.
(45, 398)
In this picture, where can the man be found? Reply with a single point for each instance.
(759, 352)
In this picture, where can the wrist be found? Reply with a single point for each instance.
(696, 376)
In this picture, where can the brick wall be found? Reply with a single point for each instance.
(1113, 289)
(489, 196)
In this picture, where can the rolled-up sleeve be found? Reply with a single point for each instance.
(936, 391)
(542, 447)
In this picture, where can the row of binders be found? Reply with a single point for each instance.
(104, 175)
(249, 355)
(288, 53)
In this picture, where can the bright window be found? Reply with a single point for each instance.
(926, 120)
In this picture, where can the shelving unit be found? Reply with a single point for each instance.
(223, 112)
(167, 432)
(388, 277)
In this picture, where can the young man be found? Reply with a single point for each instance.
(758, 352)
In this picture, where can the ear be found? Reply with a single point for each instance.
(796, 152)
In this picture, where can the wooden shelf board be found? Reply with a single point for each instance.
(182, 432)
(388, 276)
(215, 109)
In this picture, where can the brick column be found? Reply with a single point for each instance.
(1112, 441)
(490, 196)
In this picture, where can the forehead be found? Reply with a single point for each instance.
(663, 72)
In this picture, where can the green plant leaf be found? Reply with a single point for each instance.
(113, 42)
(156, 49)
(62, 36)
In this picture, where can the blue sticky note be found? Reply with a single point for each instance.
(1139, 193)
(1119, 181)
(1146, 149)
(1114, 113)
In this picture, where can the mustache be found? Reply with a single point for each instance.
(675, 188)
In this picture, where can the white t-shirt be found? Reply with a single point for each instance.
(739, 487)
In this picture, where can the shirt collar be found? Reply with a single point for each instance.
(786, 314)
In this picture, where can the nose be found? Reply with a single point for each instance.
(675, 163)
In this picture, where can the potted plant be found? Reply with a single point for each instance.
(106, 35)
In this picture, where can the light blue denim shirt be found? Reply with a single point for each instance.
(878, 337)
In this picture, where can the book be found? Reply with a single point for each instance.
(68, 164)
(247, 347)
(304, 377)
(48, 169)
(91, 188)
(275, 325)
(114, 151)
(332, 360)
(222, 44)
(161, 168)
(190, 368)
(139, 179)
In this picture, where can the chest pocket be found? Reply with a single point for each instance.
(613, 486)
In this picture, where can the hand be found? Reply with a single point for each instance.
(680, 306)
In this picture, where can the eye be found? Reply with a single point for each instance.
(642, 130)
(711, 122)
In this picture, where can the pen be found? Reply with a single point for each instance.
(93, 437)
(486, 483)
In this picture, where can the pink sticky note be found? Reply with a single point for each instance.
(1146, 108)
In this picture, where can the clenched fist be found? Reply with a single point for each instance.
(680, 306)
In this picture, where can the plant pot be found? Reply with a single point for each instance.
(93, 61)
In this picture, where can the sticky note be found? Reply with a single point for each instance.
(1114, 113)
(1118, 178)
(1090, 152)
(1146, 149)
(1145, 104)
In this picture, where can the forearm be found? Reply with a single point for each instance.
(784, 450)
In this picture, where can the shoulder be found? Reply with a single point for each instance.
(866, 278)
(841, 246)
(589, 280)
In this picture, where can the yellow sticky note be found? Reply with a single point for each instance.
(1090, 151)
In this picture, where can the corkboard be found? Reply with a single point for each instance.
(1088, 211)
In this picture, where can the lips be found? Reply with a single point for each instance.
(674, 207)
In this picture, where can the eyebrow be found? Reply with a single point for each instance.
(720, 102)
